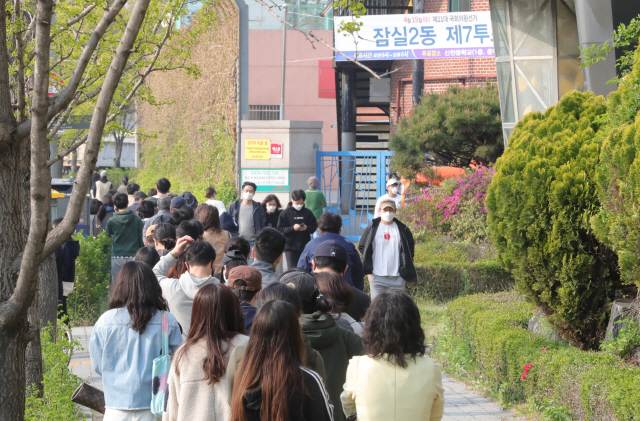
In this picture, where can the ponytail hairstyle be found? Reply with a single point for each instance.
(271, 363)
(307, 288)
(165, 234)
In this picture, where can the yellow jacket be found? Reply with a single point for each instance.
(381, 391)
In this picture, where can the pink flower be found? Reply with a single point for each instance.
(544, 348)
(524, 376)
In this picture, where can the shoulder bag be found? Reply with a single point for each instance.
(160, 373)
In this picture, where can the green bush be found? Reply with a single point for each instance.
(618, 177)
(58, 383)
(591, 385)
(445, 281)
(540, 204)
(88, 300)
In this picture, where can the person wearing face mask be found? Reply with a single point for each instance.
(297, 223)
(179, 293)
(393, 193)
(248, 214)
(273, 208)
(387, 251)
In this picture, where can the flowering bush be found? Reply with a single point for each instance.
(455, 207)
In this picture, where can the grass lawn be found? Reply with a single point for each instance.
(431, 314)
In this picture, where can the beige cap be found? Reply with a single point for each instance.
(388, 203)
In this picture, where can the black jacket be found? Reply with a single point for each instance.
(296, 240)
(312, 406)
(272, 218)
(407, 269)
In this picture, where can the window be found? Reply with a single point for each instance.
(264, 112)
(459, 5)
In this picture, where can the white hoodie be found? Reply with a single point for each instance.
(179, 293)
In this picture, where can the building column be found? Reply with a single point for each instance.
(417, 84)
(348, 143)
(595, 26)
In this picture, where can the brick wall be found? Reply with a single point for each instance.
(438, 73)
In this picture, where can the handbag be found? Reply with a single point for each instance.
(160, 373)
(89, 396)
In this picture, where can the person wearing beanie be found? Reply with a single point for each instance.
(246, 283)
(315, 201)
(103, 185)
(177, 202)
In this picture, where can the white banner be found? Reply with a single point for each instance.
(421, 36)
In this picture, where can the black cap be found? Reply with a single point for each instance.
(304, 284)
(233, 255)
(331, 249)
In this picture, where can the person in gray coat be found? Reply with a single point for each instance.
(267, 253)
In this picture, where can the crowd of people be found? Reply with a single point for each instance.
(261, 308)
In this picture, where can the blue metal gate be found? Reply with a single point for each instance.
(351, 183)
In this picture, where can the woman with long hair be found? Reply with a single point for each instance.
(104, 213)
(271, 383)
(94, 208)
(273, 208)
(213, 234)
(394, 380)
(197, 383)
(332, 285)
(127, 338)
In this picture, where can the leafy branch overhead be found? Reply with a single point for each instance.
(458, 127)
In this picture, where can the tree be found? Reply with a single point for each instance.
(540, 202)
(104, 52)
(126, 124)
(457, 127)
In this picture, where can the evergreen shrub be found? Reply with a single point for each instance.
(540, 204)
(592, 385)
(617, 223)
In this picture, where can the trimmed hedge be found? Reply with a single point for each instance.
(445, 281)
(593, 385)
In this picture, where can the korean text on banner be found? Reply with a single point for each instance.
(257, 149)
(268, 180)
(420, 36)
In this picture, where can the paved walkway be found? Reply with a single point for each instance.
(461, 403)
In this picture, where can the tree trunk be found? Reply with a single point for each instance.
(12, 360)
(74, 162)
(43, 312)
(118, 141)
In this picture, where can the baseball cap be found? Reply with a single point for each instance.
(103, 173)
(392, 181)
(304, 284)
(178, 202)
(331, 249)
(150, 230)
(388, 203)
(250, 275)
(232, 255)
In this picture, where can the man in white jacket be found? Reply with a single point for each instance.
(179, 293)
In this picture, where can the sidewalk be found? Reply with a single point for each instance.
(461, 403)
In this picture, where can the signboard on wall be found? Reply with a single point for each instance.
(276, 150)
(268, 180)
(257, 149)
(419, 36)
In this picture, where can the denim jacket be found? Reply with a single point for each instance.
(124, 357)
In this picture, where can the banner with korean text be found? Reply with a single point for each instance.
(420, 36)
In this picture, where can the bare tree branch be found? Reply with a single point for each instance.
(317, 38)
(96, 130)
(61, 100)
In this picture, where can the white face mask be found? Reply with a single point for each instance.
(271, 209)
(298, 207)
(387, 216)
(247, 196)
(394, 190)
